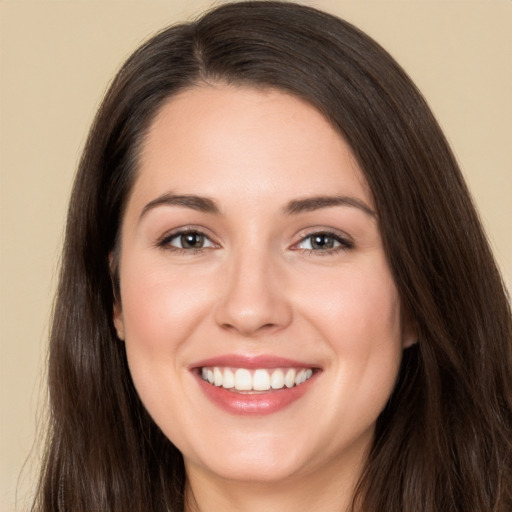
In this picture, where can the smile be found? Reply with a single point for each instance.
(254, 385)
(245, 380)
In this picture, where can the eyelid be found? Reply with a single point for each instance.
(345, 241)
(163, 241)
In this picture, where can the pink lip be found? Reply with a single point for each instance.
(260, 403)
(251, 362)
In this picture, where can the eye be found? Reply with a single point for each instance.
(324, 242)
(187, 240)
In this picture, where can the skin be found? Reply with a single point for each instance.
(258, 287)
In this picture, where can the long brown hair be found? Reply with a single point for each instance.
(443, 442)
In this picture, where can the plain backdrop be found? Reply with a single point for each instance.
(57, 58)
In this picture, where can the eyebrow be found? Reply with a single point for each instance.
(198, 203)
(297, 206)
(310, 204)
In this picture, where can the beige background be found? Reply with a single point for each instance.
(58, 57)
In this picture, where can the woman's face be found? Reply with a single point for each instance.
(262, 326)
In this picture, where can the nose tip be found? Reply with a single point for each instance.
(247, 325)
(253, 303)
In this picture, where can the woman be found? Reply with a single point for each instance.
(275, 291)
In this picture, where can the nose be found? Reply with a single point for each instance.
(254, 300)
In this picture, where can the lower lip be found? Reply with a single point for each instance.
(261, 403)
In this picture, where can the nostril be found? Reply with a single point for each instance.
(249, 330)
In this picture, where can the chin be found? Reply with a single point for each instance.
(254, 470)
(258, 461)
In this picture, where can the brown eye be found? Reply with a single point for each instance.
(192, 240)
(324, 242)
(187, 240)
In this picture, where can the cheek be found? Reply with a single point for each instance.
(358, 314)
(162, 310)
(161, 304)
(362, 303)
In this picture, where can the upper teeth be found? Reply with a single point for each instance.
(243, 379)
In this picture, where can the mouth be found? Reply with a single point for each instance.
(245, 380)
(257, 385)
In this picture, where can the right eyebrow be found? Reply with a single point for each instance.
(199, 203)
(310, 204)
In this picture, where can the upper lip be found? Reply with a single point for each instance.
(252, 362)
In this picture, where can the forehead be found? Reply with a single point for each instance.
(243, 143)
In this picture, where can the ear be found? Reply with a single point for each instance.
(117, 310)
(118, 319)
(409, 331)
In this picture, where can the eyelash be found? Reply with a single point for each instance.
(344, 243)
(165, 242)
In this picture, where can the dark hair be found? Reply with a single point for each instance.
(443, 441)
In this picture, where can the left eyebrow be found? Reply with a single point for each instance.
(311, 204)
(198, 203)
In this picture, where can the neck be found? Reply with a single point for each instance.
(330, 489)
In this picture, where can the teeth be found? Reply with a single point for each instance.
(217, 377)
(277, 379)
(228, 380)
(289, 378)
(261, 380)
(242, 379)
